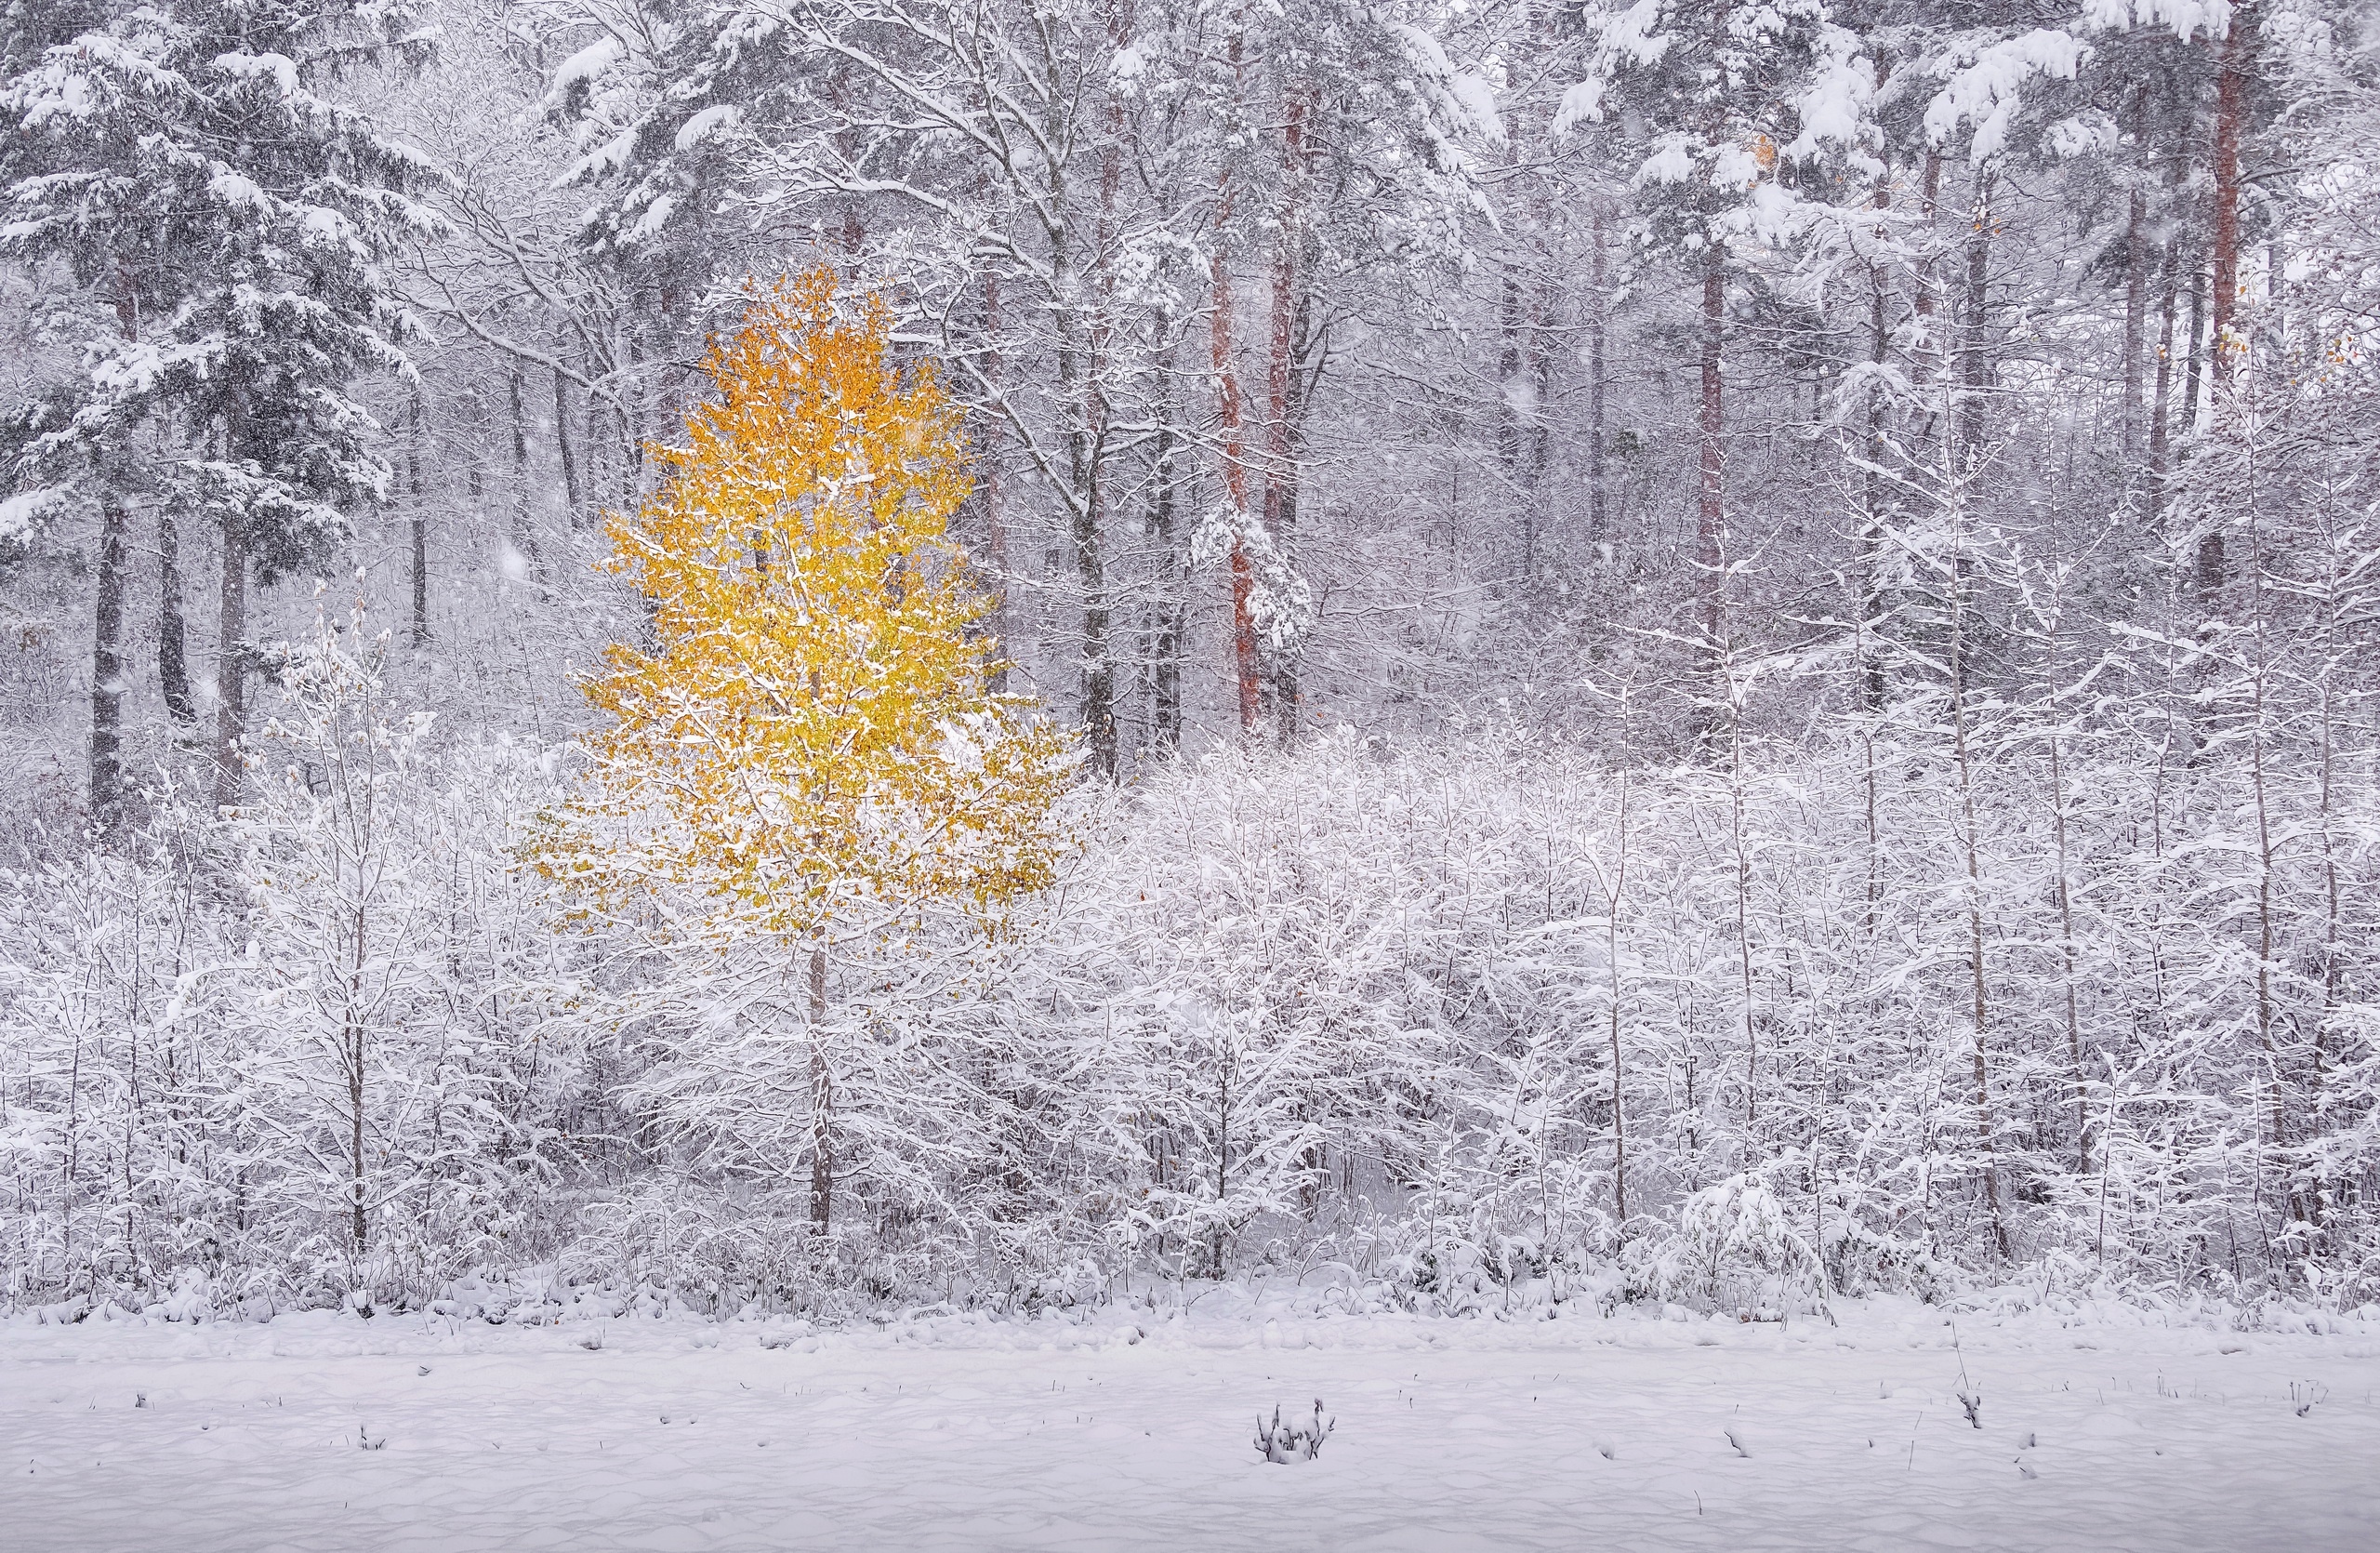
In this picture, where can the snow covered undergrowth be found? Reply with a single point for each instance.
(1132, 1429)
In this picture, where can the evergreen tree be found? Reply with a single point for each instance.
(233, 226)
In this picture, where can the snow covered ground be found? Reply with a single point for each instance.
(1132, 1429)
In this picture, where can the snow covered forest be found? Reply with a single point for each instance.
(1717, 653)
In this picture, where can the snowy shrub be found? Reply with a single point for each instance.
(1734, 1254)
(1283, 1443)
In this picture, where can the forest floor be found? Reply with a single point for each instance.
(1132, 1429)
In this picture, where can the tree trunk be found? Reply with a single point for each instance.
(2194, 368)
(1284, 396)
(573, 497)
(107, 670)
(173, 631)
(1975, 355)
(1243, 571)
(822, 1104)
(417, 523)
(1985, 1136)
(1091, 452)
(2136, 294)
(1598, 311)
(525, 518)
(2230, 114)
(231, 663)
(1869, 669)
(1931, 345)
(1511, 418)
(353, 1053)
(1611, 953)
(2161, 402)
(987, 464)
(1165, 670)
(1710, 537)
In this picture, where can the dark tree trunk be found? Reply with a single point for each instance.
(2230, 114)
(2136, 329)
(1598, 310)
(231, 663)
(2161, 402)
(1975, 355)
(525, 517)
(574, 496)
(107, 671)
(1870, 666)
(822, 1104)
(1165, 668)
(987, 465)
(173, 631)
(1245, 672)
(1510, 422)
(1285, 398)
(1710, 536)
(418, 523)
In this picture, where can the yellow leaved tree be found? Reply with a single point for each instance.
(811, 740)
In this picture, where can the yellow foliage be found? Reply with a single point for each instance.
(815, 723)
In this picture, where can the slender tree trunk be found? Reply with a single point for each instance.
(2259, 755)
(2065, 912)
(2136, 294)
(1512, 415)
(1283, 406)
(173, 630)
(107, 670)
(107, 609)
(1975, 366)
(1709, 538)
(1744, 907)
(2194, 372)
(230, 661)
(1091, 515)
(2226, 343)
(822, 1104)
(525, 517)
(418, 523)
(2333, 957)
(1598, 312)
(1243, 570)
(574, 496)
(987, 466)
(1164, 671)
(1869, 665)
(1932, 345)
(353, 1053)
(2161, 406)
(1985, 1136)
(1611, 953)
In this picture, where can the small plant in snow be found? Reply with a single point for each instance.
(1970, 1395)
(2305, 1395)
(1289, 1443)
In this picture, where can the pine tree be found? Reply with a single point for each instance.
(234, 227)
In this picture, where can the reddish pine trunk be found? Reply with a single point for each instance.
(1243, 571)
(2231, 113)
(1282, 409)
